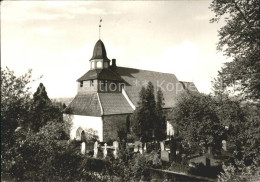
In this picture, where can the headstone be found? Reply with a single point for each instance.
(210, 150)
(105, 150)
(162, 146)
(138, 146)
(141, 150)
(224, 145)
(115, 153)
(165, 156)
(83, 148)
(95, 149)
(116, 147)
(115, 144)
(145, 149)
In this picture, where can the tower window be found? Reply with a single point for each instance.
(99, 64)
(104, 83)
(81, 84)
(112, 86)
(91, 83)
(93, 65)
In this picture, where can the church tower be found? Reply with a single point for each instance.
(100, 78)
(99, 59)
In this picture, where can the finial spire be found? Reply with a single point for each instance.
(100, 27)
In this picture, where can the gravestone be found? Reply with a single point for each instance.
(224, 145)
(83, 148)
(116, 148)
(210, 150)
(141, 150)
(138, 146)
(165, 156)
(115, 145)
(145, 149)
(95, 149)
(162, 146)
(105, 150)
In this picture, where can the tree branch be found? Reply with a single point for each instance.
(243, 15)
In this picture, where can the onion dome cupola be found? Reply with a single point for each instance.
(99, 59)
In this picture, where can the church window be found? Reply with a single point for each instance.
(78, 133)
(104, 82)
(93, 65)
(99, 64)
(91, 83)
(81, 84)
(112, 86)
(83, 136)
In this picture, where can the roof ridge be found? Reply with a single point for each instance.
(186, 81)
(146, 70)
(100, 104)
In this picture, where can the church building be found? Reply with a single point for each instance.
(108, 94)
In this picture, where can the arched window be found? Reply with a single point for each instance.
(99, 64)
(93, 65)
(78, 133)
(128, 124)
(83, 136)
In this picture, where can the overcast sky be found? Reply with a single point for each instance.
(56, 39)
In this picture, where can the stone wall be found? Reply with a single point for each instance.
(84, 122)
(111, 124)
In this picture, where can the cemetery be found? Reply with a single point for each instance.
(167, 157)
(158, 103)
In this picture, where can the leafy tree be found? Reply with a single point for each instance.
(148, 118)
(245, 136)
(235, 121)
(160, 124)
(129, 166)
(43, 110)
(32, 152)
(151, 108)
(140, 117)
(198, 122)
(242, 120)
(239, 39)
(15, 102)
(239, 172)
(25, 153)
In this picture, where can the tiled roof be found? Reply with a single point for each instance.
(136, 78)
(87, 105)
(189, 86)
(99, 51)
(114, 103)
(101, 74)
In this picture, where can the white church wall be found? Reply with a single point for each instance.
(170, 129)
(85, 122)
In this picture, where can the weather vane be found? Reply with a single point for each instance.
(100, 27)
